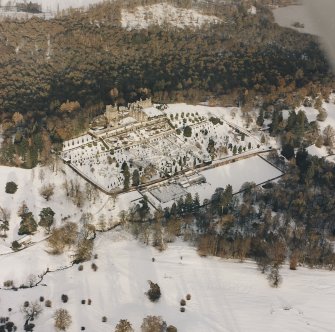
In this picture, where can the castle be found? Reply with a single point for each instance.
(115, 114)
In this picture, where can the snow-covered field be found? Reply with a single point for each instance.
(29, 184)
(158, 14)
(54, 5)
(49, 8)
(254, 169)
(227, 296)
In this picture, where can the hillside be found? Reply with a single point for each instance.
(165, 163)
(225, 296)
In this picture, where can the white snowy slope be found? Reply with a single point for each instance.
(29, 184)
(226, 296)
(144, 16)
(54, 5)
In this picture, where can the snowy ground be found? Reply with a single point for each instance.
(54, 5)
(227, 296)
(49, 8)
(311, 114)
(29, 183)
(155, 149)
(253, 169)
(158, 14)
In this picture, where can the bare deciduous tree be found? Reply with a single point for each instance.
(153, 324)
(63, 319)
(31, 311)
(62, 237)
(47, 191)
(329, 136)
(124, 326)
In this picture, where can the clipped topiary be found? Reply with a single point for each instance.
(11, 187)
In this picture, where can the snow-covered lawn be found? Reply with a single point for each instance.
(254, 169)
(227, 296)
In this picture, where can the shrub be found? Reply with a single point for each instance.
(182, 309)
(154, 293)
(8, 283)
(188, 131)
(274, 277)
(188, 297)
(171, 328)
(64, 298)
(10, 326)
(96, 256)
(16, 245)
(11, 187)
(293, 262)
(94, 267)
(29, 327)
(26, 304)
(182, 302)
(48, 303)
(89, 301)
(322, 116)
(80, 267)
(215, 120)
(83, 301)
(83, 328)
(41, 299)
(28, 224)
(104, 319)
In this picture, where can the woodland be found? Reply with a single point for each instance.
(56, 75)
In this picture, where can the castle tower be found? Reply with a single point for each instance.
(112, 114)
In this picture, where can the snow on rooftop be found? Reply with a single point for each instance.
(152, 112)
(126, 121)
(158, 14)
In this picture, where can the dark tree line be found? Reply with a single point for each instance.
(58, 74)
(290, 220)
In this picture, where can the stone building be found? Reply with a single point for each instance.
(135, 110)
